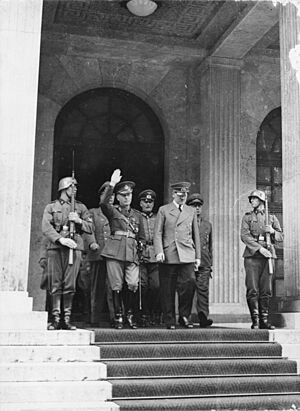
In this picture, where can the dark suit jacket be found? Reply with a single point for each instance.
(176, 234)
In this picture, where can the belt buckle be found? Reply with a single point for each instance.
(127, 234)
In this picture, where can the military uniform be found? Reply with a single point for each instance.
(258, 279)
(100, 291)
(203, 274)
(177, 237)
(151, 306)
(120, 251)
(62, 275)
(55, 224)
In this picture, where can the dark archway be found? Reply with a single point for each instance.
(108, 128)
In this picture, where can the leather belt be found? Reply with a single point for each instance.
(125, 233)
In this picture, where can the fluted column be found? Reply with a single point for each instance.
(220, 171)
(290, 96)
(20, 31)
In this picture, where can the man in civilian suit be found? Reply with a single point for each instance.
(177, 249)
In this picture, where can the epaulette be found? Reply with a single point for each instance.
(79, 202)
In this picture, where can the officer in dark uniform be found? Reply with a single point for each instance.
(100, 290)
(204, 273)
(120, 249)
(151, 307)
(256, 255)
(56, 228)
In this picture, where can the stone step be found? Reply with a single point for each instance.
(62, 392)
(15, 302)
(58, 406)
(34, 320)
(292, 351)
(44, 337)
(64, 371)
(59, 353)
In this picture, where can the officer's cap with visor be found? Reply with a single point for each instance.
(181, 189)
(124, 187)
(66, 182)
(147, 195)
(195, 199)
(258, 194)
(103, 187)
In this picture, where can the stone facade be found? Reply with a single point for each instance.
(174, 92)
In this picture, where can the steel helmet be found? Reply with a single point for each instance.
(65, 183)
(259, 194)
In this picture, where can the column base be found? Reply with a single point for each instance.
(16, 312)
(288, 315)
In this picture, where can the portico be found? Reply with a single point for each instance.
(210, 97)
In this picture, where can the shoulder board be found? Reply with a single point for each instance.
(78, 202)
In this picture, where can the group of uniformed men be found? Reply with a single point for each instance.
(142, 259)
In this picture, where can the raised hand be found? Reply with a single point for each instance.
(115, 177)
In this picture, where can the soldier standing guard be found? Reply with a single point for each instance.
(120, 249)
(95, 242)
(256, 255)
(56, 228)
(177, 249)
(150, 293)
(203, 275)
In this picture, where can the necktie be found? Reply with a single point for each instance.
(180, 207)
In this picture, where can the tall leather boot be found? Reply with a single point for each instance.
(264, 315)
(144, 318)
(55, 324)
(253, 308)
(67, 300)
(117, 301)
(131, 302)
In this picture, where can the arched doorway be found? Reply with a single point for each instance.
(108, 128)
(269, 179)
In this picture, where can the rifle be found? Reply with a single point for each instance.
(140, 247)
(72, 224)
(268, 238)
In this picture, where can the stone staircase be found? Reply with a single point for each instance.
(48, 370)
(202, 369)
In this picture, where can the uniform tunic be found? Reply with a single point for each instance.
(258, 280)
(204, 273)
(100, 291)
(149, 266)
(120, 248)
(55, 224)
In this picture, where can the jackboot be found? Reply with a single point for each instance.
(117, 301)
(67, 300)
(131, 300)
(55, 324)
(264, 316)
(253, 308)
(204, 322)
